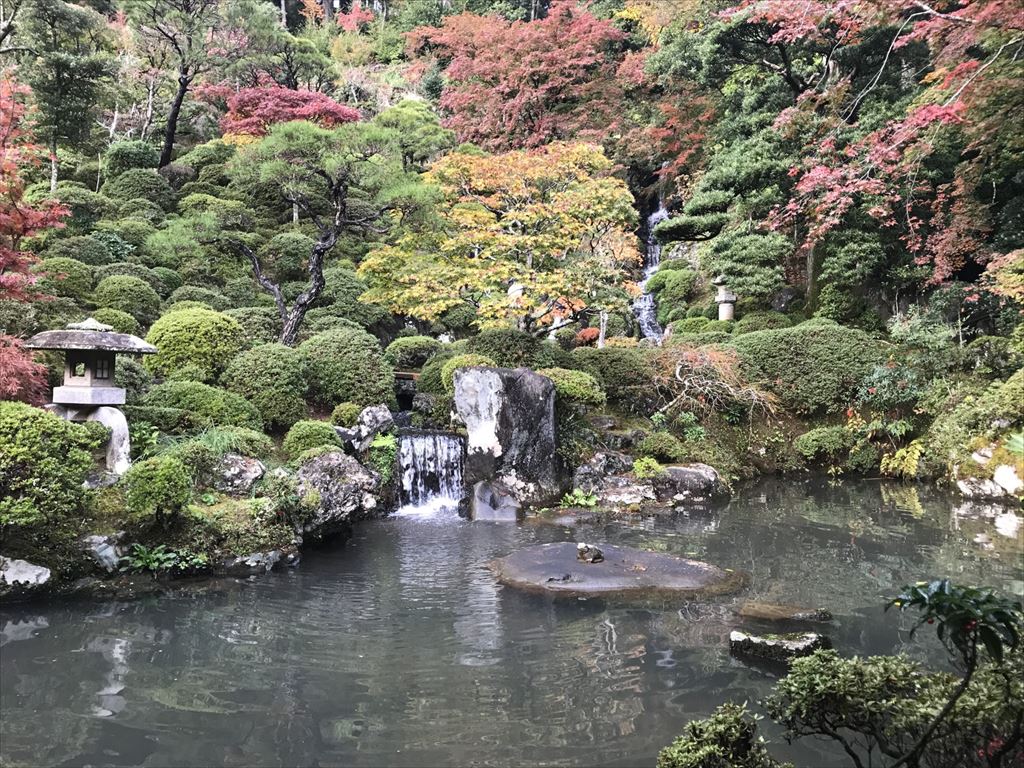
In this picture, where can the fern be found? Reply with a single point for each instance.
(904, 462)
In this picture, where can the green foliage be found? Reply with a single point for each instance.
(663, 446)
(132, 375)
(689, 325)
(43, 462)
(575, 388)
(647, 468)
(750, 261)
(141, 183)
(469, 360)
(241, 440)
(993, 356)
(625, 374)
(430, 375)
(761, 321)
(260, 325)
(811, 368)
(891, 387)
(202, 338)
(346, 414)
(198, 293)
(284, 502)
(347, 365)
(509, 348)
(202, 402)
(579, 498)
(120, 321)
(382, 454)
(133, 270)
(718, 326)
(122, 156)
(151, 559)
(272, 378)
(309, 434)
(170, 279)
(284, 256)
(824, 445)
(903, 463)
(87, 249)
(65, 277)
(214, 152)
(726, 739)
(411, 352)
(159, 486)
(690, 426)
(129, 294)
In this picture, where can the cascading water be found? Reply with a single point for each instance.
(644, 308)
(430, 464)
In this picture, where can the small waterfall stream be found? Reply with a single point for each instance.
(430, 464)
(644, 308)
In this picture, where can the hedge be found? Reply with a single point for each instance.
(811, 367)
(347, 365)
(260, 325)
(132, 270)
(515, 349)
(125, 155)
(206, 405)
(129, 294)
(272, 378)
(159, 486)
(309, 434)
(86, 249)
(141, 182)
(120, 321)
(198, 293)
(196, 337)
(761, 321)
(65, 277)
(625, 374)
(411, 351)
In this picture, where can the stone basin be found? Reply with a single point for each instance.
(624, 572)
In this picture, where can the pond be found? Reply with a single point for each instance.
(399, 649)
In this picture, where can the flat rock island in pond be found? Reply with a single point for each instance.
(624, 572)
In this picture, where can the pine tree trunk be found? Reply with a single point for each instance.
(53, 165)
(172, 120)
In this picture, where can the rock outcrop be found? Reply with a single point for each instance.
(777, 648)
(493, 501)
(343, 491)
(372, 421)
(20, 578)
(236, 475)
(606, 475)
(510, 424)
(106, 551)
(623, 572)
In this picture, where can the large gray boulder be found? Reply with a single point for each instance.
(590, 477)
(492, 501)
(106, 551)
(510, 424)
(777, 648)
(372, 420)
(692, 482)
(236, 475)
(343, 489)
(22, 578)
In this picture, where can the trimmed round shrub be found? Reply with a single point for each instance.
(178, 306)
(120, 321)
(625, 374)
(430, 375)
(213, 152)
(65, 277)
(244, 292)
(346, 414)
(178, 174)
(170, 279)
(260, 325)
(198, 293)
(284, 256)
(347, 365)
(341, 294)
(814, 367)
(131, 374)
(699, 339)
(87, 207)
(663, 446)
(159, 486)
(411, 351)
(761, 321)
(217, 406)
(468, 360)
(134, 232)
(43, 462)
(125, 155)
(271, 377)
(143, 209)
(718, 326)
(689, 325)
(141, 182)
(309, 434)
(320, 320)
(575, 388)
(194, 337)
(86, 249)
(133, 270)
(129, 294)
(510, 348)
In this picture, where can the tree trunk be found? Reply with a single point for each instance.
(53, 164)
(295, 214)
(602, 328)
(306, 299)
(284, 15)
(172, 119)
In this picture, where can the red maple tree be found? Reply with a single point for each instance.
(525, 84)
(252, 111)
(20, 377)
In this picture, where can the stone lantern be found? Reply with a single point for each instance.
(89, 392)
(725, 299)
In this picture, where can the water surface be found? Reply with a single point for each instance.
(398, 649)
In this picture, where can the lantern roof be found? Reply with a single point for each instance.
(90, 334)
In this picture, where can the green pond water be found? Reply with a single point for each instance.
(399, 649)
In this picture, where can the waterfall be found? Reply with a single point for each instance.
(430, 464)
(644, 308)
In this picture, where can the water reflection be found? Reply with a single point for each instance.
(400, 649)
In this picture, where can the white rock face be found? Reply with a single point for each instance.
(480, 398)
(22, 572)
(105, 550)
(975, 487)
(1006, 477)
(119, 447)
